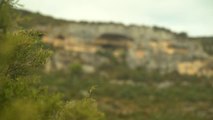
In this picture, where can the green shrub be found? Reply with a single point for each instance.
(22, 97)
(85, 109)
(76, 69)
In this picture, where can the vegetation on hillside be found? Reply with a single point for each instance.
(27, 93)
(125, 94)
(206, 42)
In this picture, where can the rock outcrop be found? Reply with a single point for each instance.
(151, 48)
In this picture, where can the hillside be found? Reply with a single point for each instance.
(152, 48)
(140, 72)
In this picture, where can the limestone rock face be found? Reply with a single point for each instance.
(139, 46)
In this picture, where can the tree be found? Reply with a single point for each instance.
(22, 97)
(183, 35)
(5, 10)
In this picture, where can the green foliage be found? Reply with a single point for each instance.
(29, 20)
(137, 94)
(22, 97)
(85, 109)
(76, 69)
(206, 43)
(20, 86)
(5, 20)
(20, 91)
(182, 35)
(16, 110)
(28, 55)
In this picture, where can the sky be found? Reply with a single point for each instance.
(194, 17)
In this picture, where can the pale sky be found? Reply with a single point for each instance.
(192, 16)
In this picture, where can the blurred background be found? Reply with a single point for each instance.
(147, 59)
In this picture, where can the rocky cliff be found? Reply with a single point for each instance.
(151, 48)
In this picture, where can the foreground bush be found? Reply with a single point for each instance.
(22, 97)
